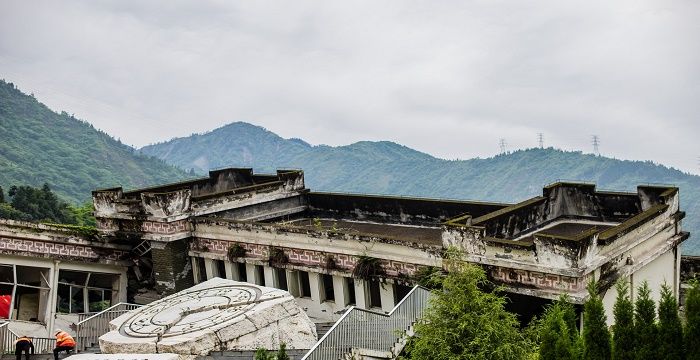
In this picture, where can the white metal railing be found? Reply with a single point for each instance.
(366, 329)
(89, 330)
(8, 338)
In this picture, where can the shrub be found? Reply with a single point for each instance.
(277, 257)
(236, 251)
(368, 268)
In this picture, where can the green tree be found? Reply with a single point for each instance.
(463, 322)
(623, 329)
(596, 337)
(670, 327)
(645, 324)
(2, 195)
(692, 316)
(282, 352)
(557, 340)
(262, 354)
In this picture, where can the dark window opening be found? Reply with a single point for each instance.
(400, 292)
(221, 268)
(261, 275)
(201, 265)
(375, 298)
(328, 292)
(242, 272)
(351, 291)
(281, 279)
(304, 284)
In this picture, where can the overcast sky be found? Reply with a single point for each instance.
(449, 78)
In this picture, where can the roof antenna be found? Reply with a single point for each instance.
(502, 144)
(596, 143)
(540, 140)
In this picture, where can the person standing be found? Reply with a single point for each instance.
(64, 342)
(23, 345)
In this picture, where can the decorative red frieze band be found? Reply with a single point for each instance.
(537, 280)
(300, 256)
(56, 250)
(165, 228)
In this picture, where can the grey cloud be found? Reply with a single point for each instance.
(448, 78)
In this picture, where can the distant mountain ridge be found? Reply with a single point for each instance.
(389, 168)
(38, 145)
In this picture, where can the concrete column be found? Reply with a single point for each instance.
(253, 277)
(232, 271)
(386, 293)
(315, 286)
(172, 266)
(293, 283)
(340, 288)
(361, 294)
(210, 268)
(53, 296)
(195, 269)
(270, 278)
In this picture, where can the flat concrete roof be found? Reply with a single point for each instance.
(408, 233)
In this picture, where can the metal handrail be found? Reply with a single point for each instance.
(89, 330)
(367, 329)
(8, 338)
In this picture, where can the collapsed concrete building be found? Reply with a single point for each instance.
(271, 230)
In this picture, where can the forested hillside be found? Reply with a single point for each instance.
(389, 168)
(40, 146)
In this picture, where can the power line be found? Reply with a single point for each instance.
(502, 144)
(540, 140)
(596, 143)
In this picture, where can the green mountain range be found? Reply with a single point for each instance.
(390, 168)
(38, 145)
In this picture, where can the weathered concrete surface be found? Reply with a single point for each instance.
(125, 357)
(215, 315)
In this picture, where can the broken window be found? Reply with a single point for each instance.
(83, 292)
(23, 291)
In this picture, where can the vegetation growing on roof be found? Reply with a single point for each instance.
(236, 251)
(277, 257)
(368, 268)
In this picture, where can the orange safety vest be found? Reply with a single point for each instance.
(23, 339)
(64, 339)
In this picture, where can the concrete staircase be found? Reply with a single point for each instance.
(247, 355)
(322, 328)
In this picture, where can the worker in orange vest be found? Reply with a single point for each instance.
(64, 342)
(23, 345)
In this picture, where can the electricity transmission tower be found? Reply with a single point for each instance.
(596, 143)
(502, 145)
(540, 140)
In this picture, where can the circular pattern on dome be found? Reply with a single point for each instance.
(192, 311)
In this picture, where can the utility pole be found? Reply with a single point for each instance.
(540, 140)
(502, 144)
(596, 143)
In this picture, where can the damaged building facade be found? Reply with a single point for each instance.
(331, 250)
(334, 250)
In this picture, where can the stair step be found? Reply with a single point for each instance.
(294, 354)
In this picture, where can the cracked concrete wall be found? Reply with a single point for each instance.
(172, 267)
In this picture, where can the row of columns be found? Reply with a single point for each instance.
(269, 277)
